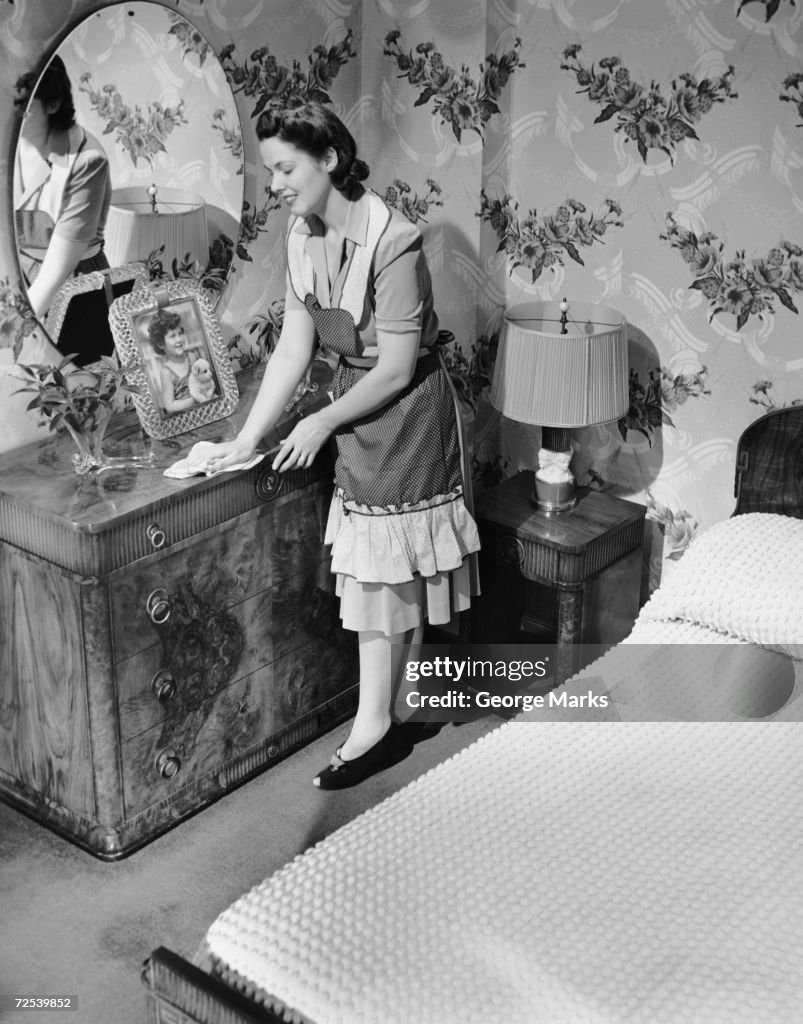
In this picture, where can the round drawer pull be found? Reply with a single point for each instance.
(156, 536)
(511, 551)
(268, 484)
(273, 750)
(158, 606)
(163, 686)
(168, 763)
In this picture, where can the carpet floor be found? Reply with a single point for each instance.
(73, 925)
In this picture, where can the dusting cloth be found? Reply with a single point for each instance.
(194, 464)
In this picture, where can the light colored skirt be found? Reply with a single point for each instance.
(392, 608)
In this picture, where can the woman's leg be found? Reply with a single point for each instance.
(382, 660)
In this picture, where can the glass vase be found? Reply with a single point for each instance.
(90, 456)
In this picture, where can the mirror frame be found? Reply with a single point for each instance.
(78, 12)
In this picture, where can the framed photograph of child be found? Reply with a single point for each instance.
(168, 335)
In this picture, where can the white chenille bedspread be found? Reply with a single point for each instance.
(553, 872)
(637, 863)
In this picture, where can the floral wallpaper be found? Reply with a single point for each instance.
(648, 157)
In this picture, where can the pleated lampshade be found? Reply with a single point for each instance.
(575, 379)
(558, 381)
(134, 229)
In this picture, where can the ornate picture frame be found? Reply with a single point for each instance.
(168, 336)
(81, 307)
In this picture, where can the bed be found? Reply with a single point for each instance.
(636, 858)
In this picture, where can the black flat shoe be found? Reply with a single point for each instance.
(390, 750)
(418, 732)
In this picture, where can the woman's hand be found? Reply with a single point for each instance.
(302, 444)
(228, 453)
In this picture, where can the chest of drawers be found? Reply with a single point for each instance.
(160, 640)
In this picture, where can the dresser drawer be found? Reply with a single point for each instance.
(202, 650)
(223, 568)
(239, 722)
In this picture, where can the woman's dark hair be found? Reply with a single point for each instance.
(164, 320)
(53, 87)
(315, 128)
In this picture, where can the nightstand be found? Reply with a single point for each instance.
(571, 578)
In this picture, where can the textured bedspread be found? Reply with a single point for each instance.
(582, 872)
(643, 864)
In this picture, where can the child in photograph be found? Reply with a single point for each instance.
(175, 356)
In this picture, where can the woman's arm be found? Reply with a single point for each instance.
(75, 229)
(61, 259)
(401, 288)
(286, 367)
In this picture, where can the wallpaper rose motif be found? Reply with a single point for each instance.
(537, 242)
(16, 318)
(793, 92)
(261, 77)
(460, 100)
(415, 208)
(652, 400)
(141, 133)
(770, 6)
(643, 114)
(738, 286)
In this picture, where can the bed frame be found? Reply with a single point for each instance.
(769, 478)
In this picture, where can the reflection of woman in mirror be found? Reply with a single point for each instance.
(175, 356)
(62, 188)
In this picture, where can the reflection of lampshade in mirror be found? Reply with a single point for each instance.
(134, 229)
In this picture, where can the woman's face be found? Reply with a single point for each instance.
(35, 121)
(298, 178)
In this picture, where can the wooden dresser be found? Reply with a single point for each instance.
(160, 640)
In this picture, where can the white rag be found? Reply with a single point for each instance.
(194, 464)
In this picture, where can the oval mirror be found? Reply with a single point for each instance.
(146, 180)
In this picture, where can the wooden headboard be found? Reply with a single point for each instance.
(769, 464)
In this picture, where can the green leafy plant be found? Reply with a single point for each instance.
(81, 401)
(643, 114)
(140, 133)
(462, 101)
(212, 277)
(738, 286)
(537, 242)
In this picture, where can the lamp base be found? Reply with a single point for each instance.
(554, 497)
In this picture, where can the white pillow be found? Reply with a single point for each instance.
(742, 577)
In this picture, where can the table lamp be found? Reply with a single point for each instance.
(141, 220)
(560, 366)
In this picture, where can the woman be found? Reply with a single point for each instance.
(62, 189)
(400, 530)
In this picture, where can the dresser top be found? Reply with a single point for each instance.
(95, 523)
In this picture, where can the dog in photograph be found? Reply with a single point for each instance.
(202, 383)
